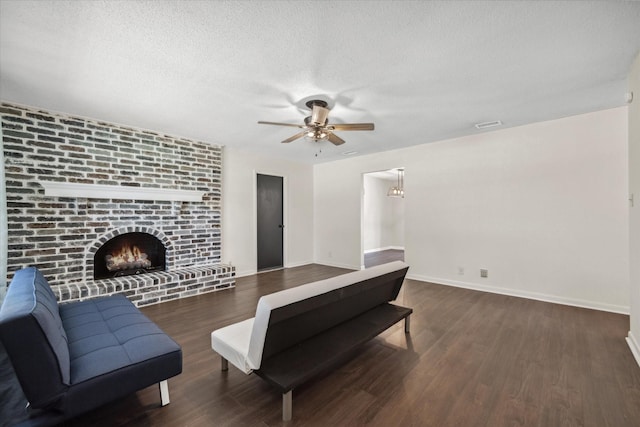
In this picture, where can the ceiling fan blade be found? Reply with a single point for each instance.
(319, 115)
(352, 126)
(294, 137)
(282, 124)
(335, 139)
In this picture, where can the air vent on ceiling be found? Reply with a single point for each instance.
(486, 125)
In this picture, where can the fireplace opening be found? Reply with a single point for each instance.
(127, 254)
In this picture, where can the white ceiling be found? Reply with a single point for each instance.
(387, 175)
(421, 71)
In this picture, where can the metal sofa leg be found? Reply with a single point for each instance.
(224, 365)
(164, 392)
(287, 406)
(406, 324)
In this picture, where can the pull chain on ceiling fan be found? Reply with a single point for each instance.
(317, 127)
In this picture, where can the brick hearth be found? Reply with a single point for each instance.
(60, 235)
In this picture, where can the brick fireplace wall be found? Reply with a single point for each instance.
(59, 235)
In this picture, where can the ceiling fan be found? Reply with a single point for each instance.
(317, 127)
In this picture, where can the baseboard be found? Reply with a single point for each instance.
(386, 248)
(634, 346)
(338, 265)
(246, 273)
(297, 264)
(524, 294)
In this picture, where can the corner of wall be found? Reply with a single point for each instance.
(634, 346)
(634, 209)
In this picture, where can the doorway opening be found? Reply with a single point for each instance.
(382, 217)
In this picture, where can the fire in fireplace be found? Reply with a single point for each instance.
(129, 253)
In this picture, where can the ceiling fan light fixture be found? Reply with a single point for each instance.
(317, 134)
(316, 126)
(319, 115)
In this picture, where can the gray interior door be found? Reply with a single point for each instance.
(270, 221)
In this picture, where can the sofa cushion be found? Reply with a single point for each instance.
(108, 333)
(114, 350)
(30, 312)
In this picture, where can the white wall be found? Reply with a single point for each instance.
(383, 222)
(543, 207)
(397, 212)
(239, 209)
(634, 212)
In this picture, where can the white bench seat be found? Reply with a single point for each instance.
(232, 343)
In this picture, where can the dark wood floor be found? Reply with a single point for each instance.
(472, 359)
(381, 257)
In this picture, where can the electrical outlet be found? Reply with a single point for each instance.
(484, 272)
(461, 270)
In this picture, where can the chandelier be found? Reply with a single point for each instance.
(398, 190)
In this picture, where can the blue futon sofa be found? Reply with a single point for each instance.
(71, 358)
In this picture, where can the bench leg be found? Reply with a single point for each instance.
(406, 324)
(287, 406)
(164, 393)
(224, 366)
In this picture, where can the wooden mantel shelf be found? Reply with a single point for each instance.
(97, 191)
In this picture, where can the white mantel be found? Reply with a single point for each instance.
(97, 191)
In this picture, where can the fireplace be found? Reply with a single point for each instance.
(127, 254)
(60, 230)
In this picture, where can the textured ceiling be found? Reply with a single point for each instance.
(421, 71)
